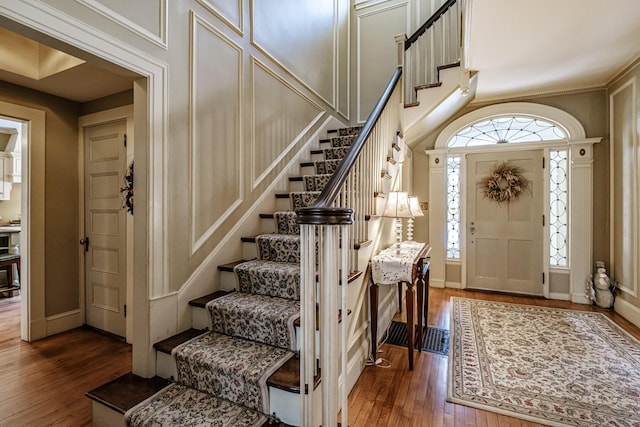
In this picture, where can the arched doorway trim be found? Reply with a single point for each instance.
(566, 121)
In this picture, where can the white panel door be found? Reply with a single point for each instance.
(504, 241)
(105, 258)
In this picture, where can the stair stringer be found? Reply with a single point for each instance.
(206, 278)
(438, 104)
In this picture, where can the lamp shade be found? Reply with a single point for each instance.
(414, 206)
(397, 205)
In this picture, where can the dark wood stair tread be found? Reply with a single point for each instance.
(202, 301)
(428, 86)
(166, 345)
(282, 195)
(319, 151)
(307, 164)
(127, 391)
(287, 378)
(230, 265)
(248, 239)
(296, 178)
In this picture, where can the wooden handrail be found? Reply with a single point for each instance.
(323, 211)
(428, 23)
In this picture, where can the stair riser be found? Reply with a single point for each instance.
(166, 366)
(249, 250)
(283, 204)
(228, 281)
(103, 416)
(287, 406)
(296, 186)
(267, 225)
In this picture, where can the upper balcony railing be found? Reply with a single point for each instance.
(436, 43)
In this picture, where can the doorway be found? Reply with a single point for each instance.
(504, 243)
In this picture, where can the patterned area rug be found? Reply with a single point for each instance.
(551, 366)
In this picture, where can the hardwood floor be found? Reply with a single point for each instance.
(43, 383)
(398, 397)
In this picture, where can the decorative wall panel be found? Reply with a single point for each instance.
(377, 52)
(230, 11)
(147, 18)
(215, 134)
(280, 115)
(301, 37)
(624, 187)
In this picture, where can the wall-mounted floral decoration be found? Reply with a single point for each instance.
(505, 183)
(128, 189)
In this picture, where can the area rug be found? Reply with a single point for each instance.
(434, 340)
(551, 366)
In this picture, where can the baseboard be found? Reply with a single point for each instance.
(63, 322)
(436, 283)
(628, 311)
(559, 296)
(580, 298)
(37, 329)
(453, 285)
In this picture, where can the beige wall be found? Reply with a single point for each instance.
(61, 195)
(624, 104)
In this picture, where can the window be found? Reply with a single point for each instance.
(453, 207)
(558, 202)
(506, 129)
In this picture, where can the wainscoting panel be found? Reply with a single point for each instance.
(377, 52)
(624, 187)
(300, 36)
(230, 11)
(280, 116)
(147, 18)
(215, 129)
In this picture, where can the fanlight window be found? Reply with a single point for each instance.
(507, 129)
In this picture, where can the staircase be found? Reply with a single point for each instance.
(239, 364)
(250, 351)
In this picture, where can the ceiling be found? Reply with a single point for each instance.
(539, 46)
(27, 63)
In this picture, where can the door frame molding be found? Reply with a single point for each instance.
(102, 117)
(580, 157)
(151, 130)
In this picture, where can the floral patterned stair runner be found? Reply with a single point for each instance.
(259, 318)
(168, 408)
(229, 367)
(252, 330)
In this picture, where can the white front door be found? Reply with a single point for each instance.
(504, 241)
(105, 256)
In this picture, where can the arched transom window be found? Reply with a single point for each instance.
(507, 129)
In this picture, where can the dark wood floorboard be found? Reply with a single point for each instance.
(44, 383)
(398, 397)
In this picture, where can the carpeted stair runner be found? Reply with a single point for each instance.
(230, 367)
(260, 318)
(167, 408)
(222, 374)
(326, 166)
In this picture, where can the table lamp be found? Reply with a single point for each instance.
(414, 207)
(397, 207)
